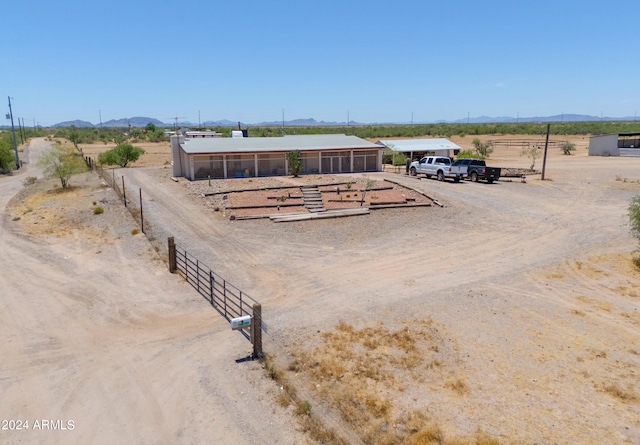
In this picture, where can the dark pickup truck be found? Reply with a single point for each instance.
(477, 169)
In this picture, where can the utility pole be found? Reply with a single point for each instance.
(544, 158)
(20, 131)
(13, 131)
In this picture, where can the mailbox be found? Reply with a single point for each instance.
(241, 322)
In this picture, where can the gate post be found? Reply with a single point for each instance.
(256, 330)
(172, 255)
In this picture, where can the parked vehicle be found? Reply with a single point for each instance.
(476, 169)
(439, 166)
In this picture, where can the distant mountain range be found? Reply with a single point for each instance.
(310, 122)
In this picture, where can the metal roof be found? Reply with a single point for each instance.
(271, 144)
(418, 145)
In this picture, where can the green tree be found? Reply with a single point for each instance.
(62, 162)
(121, 155)
(468, 154)
(295, 162)
(74, 136)
(7, 155)
(484, 149)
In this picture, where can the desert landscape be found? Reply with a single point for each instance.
(510, 314)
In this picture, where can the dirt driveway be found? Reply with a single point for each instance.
(529, 283)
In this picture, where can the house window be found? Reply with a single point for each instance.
(365, 161)
(240, 166)
(208, 166)
(271, 164)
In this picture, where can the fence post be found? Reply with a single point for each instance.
(211, 287)
(141, 214)
(256, 330)
(224, 294)
(124, 192)
(172, 255)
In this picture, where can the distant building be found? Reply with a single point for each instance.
(623, 144)
(202, 158)
(202, 134)
(416, 148)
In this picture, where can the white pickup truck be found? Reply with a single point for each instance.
(439, 166)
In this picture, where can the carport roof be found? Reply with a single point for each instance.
(313, 142)
(419, 145)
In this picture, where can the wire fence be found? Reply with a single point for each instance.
(225, 298)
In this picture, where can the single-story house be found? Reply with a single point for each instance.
(240, 157)
(416, 148)
(623, 144)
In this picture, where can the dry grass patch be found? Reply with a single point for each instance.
(374, 378)
(598, 304)
(615, 390)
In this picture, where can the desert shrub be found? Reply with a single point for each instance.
(7, 155)
(294, 158)
(484, 149)
(98, 210)
(62, 163)
(304, 408)
(532, 153)
(568, 147)
(399, 159)
(29, 180)
(468, 154)
(635, 257)
(634, 216)
(123, 154)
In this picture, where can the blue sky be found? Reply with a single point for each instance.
(371, 60)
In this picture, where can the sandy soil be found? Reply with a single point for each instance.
(528, 285)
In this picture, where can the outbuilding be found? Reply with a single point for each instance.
(218, 158)
(416, 148)
(623, 144)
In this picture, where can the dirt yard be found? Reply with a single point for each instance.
(510, 315)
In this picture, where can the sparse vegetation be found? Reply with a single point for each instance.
(626, 395)
(62, 163)
(483, 149)
(634, 219)
(29, 180)
(123, 154)
(532, 153)
(357, 370)
(568, 147)
(98, 210)
(7, 155)
(294, 159)
(465, 154)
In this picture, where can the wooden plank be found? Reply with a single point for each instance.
(259, 189)
(382, 203)
(264, 206)
(403, 206)
(323, 215)
(435, 201)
